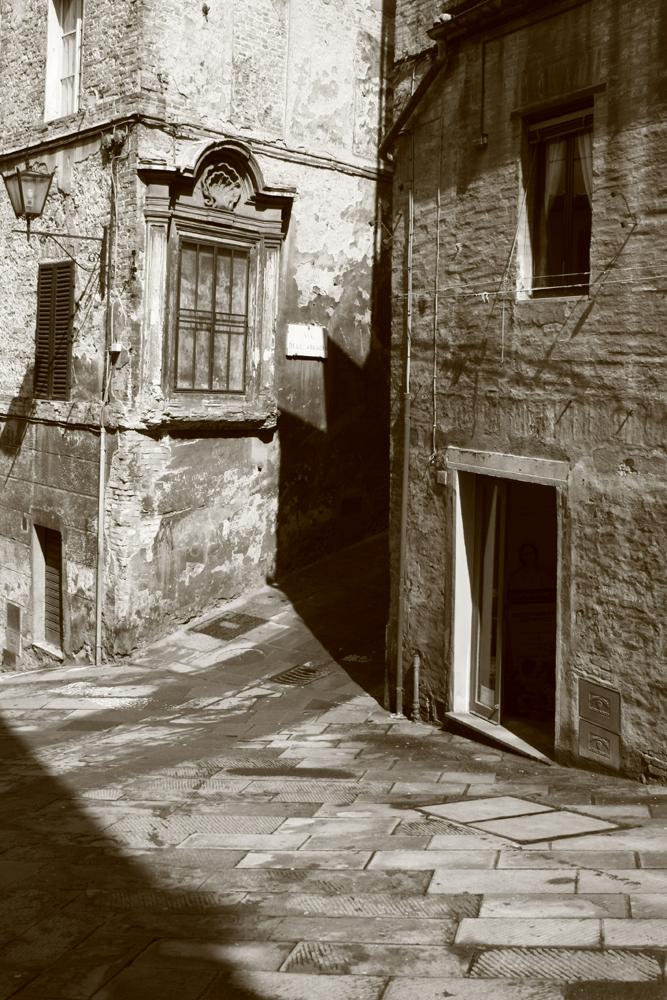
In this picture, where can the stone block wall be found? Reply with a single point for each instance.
(581, 380)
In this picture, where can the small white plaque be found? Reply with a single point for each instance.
(306, 341)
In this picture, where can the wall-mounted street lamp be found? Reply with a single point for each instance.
(28, 190)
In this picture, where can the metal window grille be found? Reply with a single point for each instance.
(211, 344)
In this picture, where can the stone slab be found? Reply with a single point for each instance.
(305, 859)
(561, 859)
(427, 788)
(632, 881)
(265, 955)
(547, 826)
(478, 810)
(526, 932)
(540, 905)
(370, 930)
(294, 986)
(433, 859)
(455, 881)
(566, 965)
(245, 841)
(361, 905)
(472, 989)
(649, 906)
(646, 933)
(334, 958)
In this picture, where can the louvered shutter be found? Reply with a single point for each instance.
(55, 301)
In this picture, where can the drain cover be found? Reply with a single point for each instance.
(230, 625)
(302, 674)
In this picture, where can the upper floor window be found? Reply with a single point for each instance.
(212, 318)
(63, 60)
(55, 307)
(562, 200)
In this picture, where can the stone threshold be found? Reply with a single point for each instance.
(498, 734)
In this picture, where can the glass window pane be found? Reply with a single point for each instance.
(67, 95)
(220, 350)
(240, 283)
(68, 66)
(223, 281)
(188, 276)
(237, 362)
(205, 280)
(202, 338)
(68, 14)
(184, 359)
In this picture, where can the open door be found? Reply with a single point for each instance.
(488, 632)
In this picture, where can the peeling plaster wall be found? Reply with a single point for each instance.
(579, 380)
(196, 512)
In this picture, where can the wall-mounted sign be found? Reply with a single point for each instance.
(306, 341)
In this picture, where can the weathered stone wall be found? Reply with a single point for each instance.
(195, 512)
(577, 379)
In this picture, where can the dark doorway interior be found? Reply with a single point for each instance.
(529, 602)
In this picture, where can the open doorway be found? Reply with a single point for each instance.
(513, 661)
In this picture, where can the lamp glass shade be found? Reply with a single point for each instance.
(34, 188)
(14, 191)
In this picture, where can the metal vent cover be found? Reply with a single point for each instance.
(302, 674)
(230, 625)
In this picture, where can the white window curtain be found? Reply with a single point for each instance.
(585, 146)
(554, 180)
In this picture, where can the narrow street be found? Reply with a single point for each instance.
(234, 815)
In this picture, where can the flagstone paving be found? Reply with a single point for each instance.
(190, 824)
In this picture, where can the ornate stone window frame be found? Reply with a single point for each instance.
(218, 196)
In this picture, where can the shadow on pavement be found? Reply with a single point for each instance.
(344, 601)
(79, 918)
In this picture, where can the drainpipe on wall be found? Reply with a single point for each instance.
(400, 619)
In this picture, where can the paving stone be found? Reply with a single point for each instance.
(156, 984)
(509, 788)
(612, 812)
(652, 859)
(561, 859)
(547, 826)
(565, 964)
(370, 930)
(573, 932)
(649, 906)
(468, 777)
(486, 809)
(154, 900)
(305, 859)
(506, 881)
(471, 989)
(291, 986)
(245, 841)
(427, 787)
(623, 880)
(266, 955)
(377, 842)
(320, 881)
(644, 933)
(433, 859)
(617, 991)
(642, 839)
(463, 841)
(374, 959)
(368, 810)
(540, 905)
(368, 905)
(349, 825)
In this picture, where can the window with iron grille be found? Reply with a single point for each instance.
(562, 167)
(55, 307)
(212, 333)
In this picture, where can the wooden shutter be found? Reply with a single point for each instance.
(55, 303)
(53, 559)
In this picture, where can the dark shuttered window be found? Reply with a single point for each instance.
(55, 306)
(212, 318)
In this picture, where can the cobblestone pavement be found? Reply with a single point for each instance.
(203, 823)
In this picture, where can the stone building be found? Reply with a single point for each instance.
(205, 313)
(530, 307)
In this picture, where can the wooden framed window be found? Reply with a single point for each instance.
(562, 203)
(55, 308)
(212, 331)
(63, 64)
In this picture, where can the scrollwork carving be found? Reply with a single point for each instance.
(221, 187)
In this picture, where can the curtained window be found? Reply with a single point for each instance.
(562, 203)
